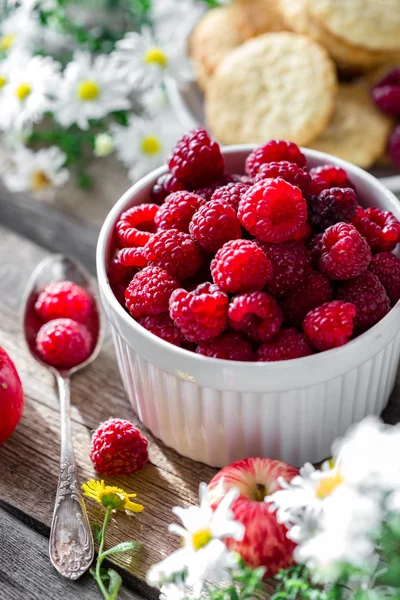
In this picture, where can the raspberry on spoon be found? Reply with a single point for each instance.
(64, 343)
(64, 299)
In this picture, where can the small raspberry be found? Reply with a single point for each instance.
(332, 206)
(386, 266)
(132, 257)
(118, 274)
(149, 291)
(273, 210)
(136, 225)
(241, 266)
(163, 327)
(290, 262)
(64, 343)
(178, 210)
(256, 314)
(394, 146)
(165, 185)
(207, 191)
(369, 297)
(288, 171)
(196, 158)
(174, 251)
(64, 299)
(118, 448)
(231, 194)
(287, 344)
(314, 246)
(274, 151)
(380, 228)
(312, 292)
(330, 325)
(228, 346)
(201, 314)
(345, 253)
(386, 93)
(328, 176)
(214, 224)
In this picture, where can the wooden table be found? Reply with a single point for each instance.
(29, 459)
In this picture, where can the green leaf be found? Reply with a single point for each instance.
(97, 532)
(122, 547)
(104, 576)
(115, 583)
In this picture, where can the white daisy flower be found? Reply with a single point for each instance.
(91, 88)
(204, 555)
(103, 144)
(20, 30)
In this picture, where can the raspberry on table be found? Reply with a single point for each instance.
(64, 299)
(64, 343)
(328, 176)
(231, 193)
(178, 210)
(289, 343)
(332, 206)
(214, 224)
(201, 314)
(386, 266)
(228, 346)
(241, 266)
(255, 314)
(163, 327)
(394, 146)
(290, 172)
(312, 292)
(379, 227)
(273, 210)
(118, 448)
(132, 257)
(274, 151)
(386, 93)
(174, 251)
(197, 158)
(165, 185)
(369, 297)
(345, 253)
(290, 262)
(330, 325)
(136, 225)
(207, 191)
(314, 246)
(149, 291)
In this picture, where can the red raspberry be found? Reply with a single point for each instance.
(332, 206)
(380, 228)
(241, 266)
(64, 299)
(274, 151)
(330, 325)
(228, 346)
(174, 251)
(165, 185)
(290, 262)
(149, 291)
(287, 344)
(178, 210)
(132, 257)
(196, 158)
(201, 314)
(386, 93)
(345, 253)
(328, 176)
(312, 292)
(304, 232)
(273, 210)
(64, 343)
(256, 314)
(386, 266)
(314, 246)
(214, 224)
(163, 327)
(394, 146)
(288, 171)
(207, 191)
(136, 225)
(231, 193)
(118, 274)
(369, 297)
(118, 448)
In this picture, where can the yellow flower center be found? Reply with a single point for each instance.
(156, 56)
(23, 91)
(201, 538)
(39, 181)
(327, 485)
(151, 144)
(7, 41)
(88, 90)
(3, 81)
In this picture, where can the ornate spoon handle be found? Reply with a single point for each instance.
(71, 543)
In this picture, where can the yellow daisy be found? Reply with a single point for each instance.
(111, 496)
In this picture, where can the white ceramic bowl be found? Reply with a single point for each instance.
(218, 411)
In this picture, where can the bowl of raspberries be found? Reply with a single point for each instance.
(253, 294)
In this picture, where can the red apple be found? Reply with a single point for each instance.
(265, 542)
(11, 396)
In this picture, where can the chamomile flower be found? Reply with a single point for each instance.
(111, 496)
(91, 88)
(20, 30)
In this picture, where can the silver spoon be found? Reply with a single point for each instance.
(71, 544)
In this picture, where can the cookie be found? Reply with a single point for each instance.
(358, 131)
(259, 16)
(372, 24)
(278, 85)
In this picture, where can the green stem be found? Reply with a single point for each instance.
(100, 558)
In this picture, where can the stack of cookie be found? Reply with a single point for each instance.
(273, 69)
